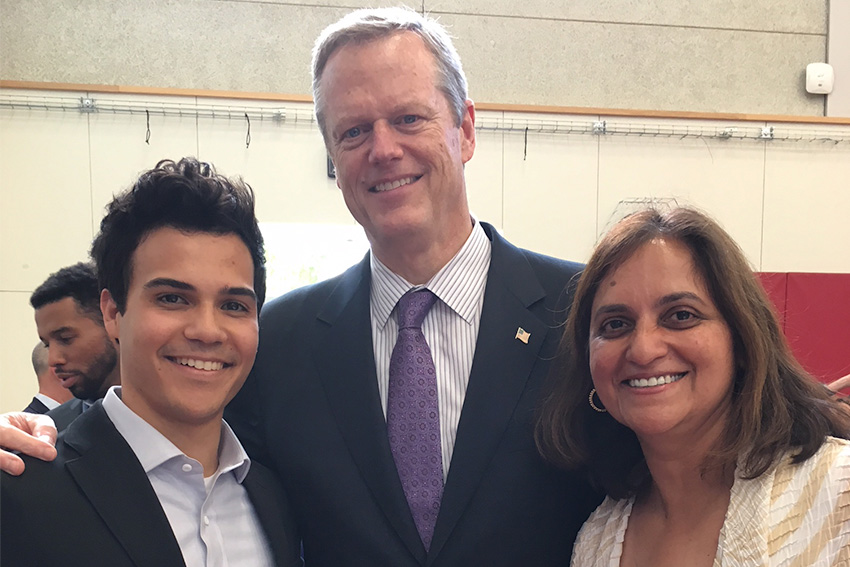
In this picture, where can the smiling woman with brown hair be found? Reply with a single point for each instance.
(677, 393)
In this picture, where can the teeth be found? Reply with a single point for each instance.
(656, 380)
(394, 184)
(201, 364)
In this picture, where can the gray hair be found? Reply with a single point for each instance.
(363, 26)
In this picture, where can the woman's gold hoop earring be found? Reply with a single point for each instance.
(594, 406)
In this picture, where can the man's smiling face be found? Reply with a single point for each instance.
(189, 332)
(398, 149)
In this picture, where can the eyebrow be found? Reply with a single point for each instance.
(356, 120)
(241, 291)
(177, 284)
(613, 308)
(673, 297)
(59, 331)
(666, 300)
(168, 282)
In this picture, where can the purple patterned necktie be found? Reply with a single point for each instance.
(413, 423)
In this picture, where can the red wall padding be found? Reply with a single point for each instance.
(814, 311)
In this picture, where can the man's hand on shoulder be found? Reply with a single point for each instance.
(839, 384)
(28, 433)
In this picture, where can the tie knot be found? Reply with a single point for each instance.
(413, 307)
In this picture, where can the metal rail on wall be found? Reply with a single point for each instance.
(492, 121)
(93, 105)
(662, 130)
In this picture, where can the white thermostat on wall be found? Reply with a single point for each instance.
(819, 78)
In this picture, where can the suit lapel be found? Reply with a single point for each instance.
(500, 369)
(66, 413)
(260, 487)
(351, 386)
(112, 479)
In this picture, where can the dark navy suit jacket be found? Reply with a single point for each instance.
(64, 414)
(311, 410)
(94, 505)
(36, 406)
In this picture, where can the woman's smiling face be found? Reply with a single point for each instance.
(661, 354)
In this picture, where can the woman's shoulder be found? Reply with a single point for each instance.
(810, 502)
(600, 541)
(820, 479)
(831, 460)
(837, 452)
(836, 446)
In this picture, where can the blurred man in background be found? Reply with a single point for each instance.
(51, 393)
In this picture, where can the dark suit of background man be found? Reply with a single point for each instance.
(51, 393)
(399, 127)
(150, 476)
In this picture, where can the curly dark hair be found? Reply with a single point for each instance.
(78, 282)
(776, 406)
(187, 195)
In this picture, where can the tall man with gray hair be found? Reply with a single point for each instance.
(396, 401)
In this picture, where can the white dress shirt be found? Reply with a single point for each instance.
(212, 519)
(49, 402)
(451, 327)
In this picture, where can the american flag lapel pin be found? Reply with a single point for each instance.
(522, 335)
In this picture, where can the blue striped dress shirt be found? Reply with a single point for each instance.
(451, 327)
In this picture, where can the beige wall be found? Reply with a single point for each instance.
(712, 55)
(784, 201)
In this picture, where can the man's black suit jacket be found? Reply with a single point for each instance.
(94, 505)
(311, 410)
(64, 414)
(36, 406)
